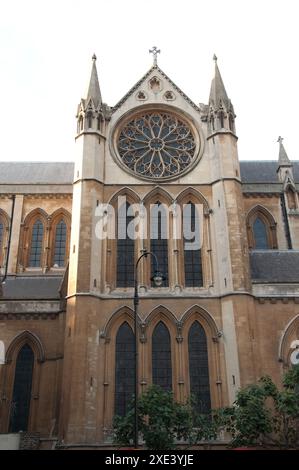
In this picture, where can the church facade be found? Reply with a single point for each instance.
(155, 173)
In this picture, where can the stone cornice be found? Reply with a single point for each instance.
(276, 299)
(81, 180)
(222, 132)
(91, 132)
(261, 299)
(260, 194)
(5, 316)
(50, 191)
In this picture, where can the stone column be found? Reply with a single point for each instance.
(15, 235)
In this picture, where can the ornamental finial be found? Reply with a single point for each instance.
(280, 139)
(155, 52)
(215, 57)
(94, 57)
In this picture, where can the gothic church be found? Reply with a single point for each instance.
(226, 312)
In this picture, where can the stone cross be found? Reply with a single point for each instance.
(280, 139)
(154, 51)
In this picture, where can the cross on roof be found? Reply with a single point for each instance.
(280, 139)
(154, 51)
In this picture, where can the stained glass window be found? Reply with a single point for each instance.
(124, 368)
(20, 405)
(192, 257)
(161, 357)
(159, 240)
(199, 368)
(60, 244)
(36, 244)
(125, 249)
(260, 234)
(157, 145)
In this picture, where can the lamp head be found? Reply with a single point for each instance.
(158, 279)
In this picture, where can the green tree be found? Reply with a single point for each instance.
(263, 415)
(162, 422)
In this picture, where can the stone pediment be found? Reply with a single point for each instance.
(154, 87)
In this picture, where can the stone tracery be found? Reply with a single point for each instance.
(157, 145)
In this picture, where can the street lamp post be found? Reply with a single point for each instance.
(157, 278)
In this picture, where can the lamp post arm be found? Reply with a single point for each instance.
(136, 299)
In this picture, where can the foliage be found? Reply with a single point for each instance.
(263, 415)
(162, 422)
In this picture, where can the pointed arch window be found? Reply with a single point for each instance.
(261, 229)
(199, 368)
(159, 241)
(89, 120)
(192, 251)
(161, 357)
(80, 124)
(60, 244)
(125, 248)
(124, 368)
(60, 222)
(260, 234)
(221, 118)
(212, 122)
(35, 255)
(231, 123)
(20, 405)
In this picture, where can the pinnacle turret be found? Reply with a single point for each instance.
(285, 166)
(221, 111)
(91, 111)
(283, 159)
(218, 95)
(94, 92)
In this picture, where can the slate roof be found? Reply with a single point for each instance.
(31, 288)
(263, 171)
(252, 171)
(274, 266)
(36, 172)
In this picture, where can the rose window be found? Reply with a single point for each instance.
(156, 145)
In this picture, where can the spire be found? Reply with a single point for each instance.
(218, 95)
(283, 159)
(94, 92)
(221, 114)
(285, 167)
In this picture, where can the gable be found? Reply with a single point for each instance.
(153, 88)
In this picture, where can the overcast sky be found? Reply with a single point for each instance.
(45, 62)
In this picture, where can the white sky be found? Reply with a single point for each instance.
(45, 62)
